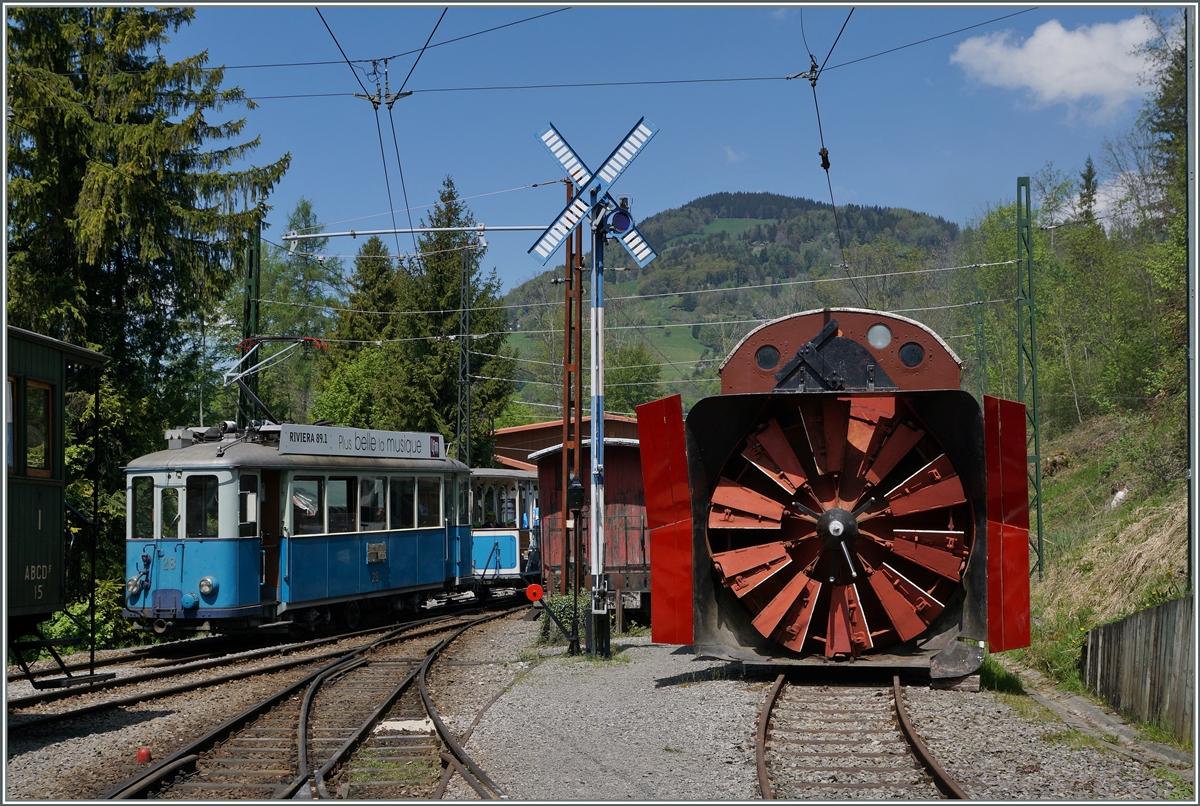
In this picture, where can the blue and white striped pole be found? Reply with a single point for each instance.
(599, 592)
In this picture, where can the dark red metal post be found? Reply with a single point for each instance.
(572, 408)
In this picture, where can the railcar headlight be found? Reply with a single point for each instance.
(133, 586)
(208, 586)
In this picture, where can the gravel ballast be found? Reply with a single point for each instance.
(650, 724)
(653, 723)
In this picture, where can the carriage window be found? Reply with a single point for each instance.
(37, 429)
(169, 518)
(248, 506)
(8, 416)
(402, 497)
(308, 506)
(429, 501)
(464, 500)
(141, 508)
(341, 504)
(372, 499)
(508, 506)
(202, 506)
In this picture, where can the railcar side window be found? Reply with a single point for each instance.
(429, 501)
(372, 499)
(169, 517)
(464, 500)
(202, 506)
(37, 429)
(402, 500)
(308, 505)
(341, 504)
(8, 416)
(141, 508)
(248, 506)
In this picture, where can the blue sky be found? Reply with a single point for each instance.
(943, 127)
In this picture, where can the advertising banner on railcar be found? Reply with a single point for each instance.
(317, 440)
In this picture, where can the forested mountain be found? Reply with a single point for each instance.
(727, 240)
(726, 262)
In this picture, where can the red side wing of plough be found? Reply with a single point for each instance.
(669, 517)
(1005, 448)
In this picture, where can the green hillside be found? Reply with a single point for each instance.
(745, 257)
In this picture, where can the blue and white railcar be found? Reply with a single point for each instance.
(505, 527)
(292, 524)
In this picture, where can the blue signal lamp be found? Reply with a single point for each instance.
(618, 222)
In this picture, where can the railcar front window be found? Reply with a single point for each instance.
(37, 429)
(372, 500)
(169, 519)
(202, 509)
(402, 501)
(248, 506)
(429, 501)
(341, 504)
(308, 506)
(141, 508)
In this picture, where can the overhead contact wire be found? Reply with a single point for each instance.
(392, 121)
(519, 305)
(339, 47)
(378, 129)
(813, 75)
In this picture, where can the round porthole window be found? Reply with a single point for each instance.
(767, 357)
(879, 336)
(912, 354)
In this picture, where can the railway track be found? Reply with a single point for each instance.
(844, 742)
(149, 666)
(149, 656)
(355, 728)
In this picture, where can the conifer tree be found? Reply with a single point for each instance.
(410, 382)
(122, 213)
(123, 209)
(371, 305)
(298, 294)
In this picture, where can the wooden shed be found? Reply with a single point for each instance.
(627, 559)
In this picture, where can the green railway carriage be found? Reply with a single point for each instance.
(38, 371)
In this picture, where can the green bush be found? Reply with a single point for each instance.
(561, 606)
(112, 628)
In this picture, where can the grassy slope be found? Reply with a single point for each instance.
(733, 226)
(1102, 561)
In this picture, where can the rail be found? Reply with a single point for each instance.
(348, 669)
(855, 735)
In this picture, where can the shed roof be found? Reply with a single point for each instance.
(618, 442)
(73, 351)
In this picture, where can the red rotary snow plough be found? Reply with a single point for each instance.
(841, 500)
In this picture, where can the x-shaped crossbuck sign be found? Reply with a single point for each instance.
(592, 190)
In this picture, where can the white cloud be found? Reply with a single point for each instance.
(779, 13)
(1092, 65)
(734, 156)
